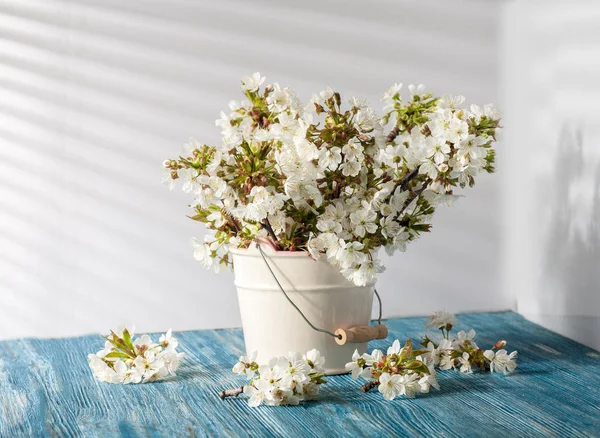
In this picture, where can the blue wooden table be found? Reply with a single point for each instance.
(47, 389)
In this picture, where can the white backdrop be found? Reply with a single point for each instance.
(94, 94)
(552, 198)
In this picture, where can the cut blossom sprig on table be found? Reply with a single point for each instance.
(326, 178)
(401, 371)
(461, 352)
(407, 372)
(281, 381)
(127, 360)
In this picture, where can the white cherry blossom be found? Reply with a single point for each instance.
(257, 393)
(501, 361)
(363, 221)
(417, 90)
(409, 384)
(465, 365)
(330, 158)
(251, 83)
(350, 168)
(350, 254)
(440, 319)
(390, 96)
(391, 385)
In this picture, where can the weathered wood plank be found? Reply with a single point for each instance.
(46, 389)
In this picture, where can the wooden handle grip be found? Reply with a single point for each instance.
(361, 333)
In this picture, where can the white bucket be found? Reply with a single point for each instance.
(273, 327)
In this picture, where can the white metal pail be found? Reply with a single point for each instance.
(273, 327)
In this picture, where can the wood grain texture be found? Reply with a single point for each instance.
(47, 389)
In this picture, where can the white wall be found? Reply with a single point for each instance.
(552, 219)
(94, 94)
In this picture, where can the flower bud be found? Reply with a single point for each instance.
(167, 164)
(499, 344)
(338, 98)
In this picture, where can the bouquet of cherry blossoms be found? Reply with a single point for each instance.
(325, 178)
(127, 360)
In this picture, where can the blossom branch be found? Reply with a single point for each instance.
(235, 226)
(280, 382)
(407, 179)
(411, 199)
(126, 360)
(267, 226)
(370, 385)
(392, 135)
(405, 371)
(231, 392)
(399, 372)
(461, 352)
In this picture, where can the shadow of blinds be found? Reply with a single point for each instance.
(94, 94)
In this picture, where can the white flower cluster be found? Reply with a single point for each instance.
(325, 179)
(282, 380)
(461, 351)
(404, 371)
(126, 360)
(401, 371)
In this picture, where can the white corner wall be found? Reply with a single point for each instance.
(552, 194)
(94, 94)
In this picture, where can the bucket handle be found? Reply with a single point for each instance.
(357, 334)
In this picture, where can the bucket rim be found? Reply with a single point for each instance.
(251, 252)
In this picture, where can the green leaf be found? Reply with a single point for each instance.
(127, 339)
(201, 215)
(118, 354)
(406, 351)
(120, 344)
(416, 353)
(416, 365)
(318, 378)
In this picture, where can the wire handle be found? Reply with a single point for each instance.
(341, 338)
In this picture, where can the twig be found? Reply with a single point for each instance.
(408, 178)
(370, 385)
(231, 392)
(267, 226)
(411, 199)
(392, 135)
(230, 219)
